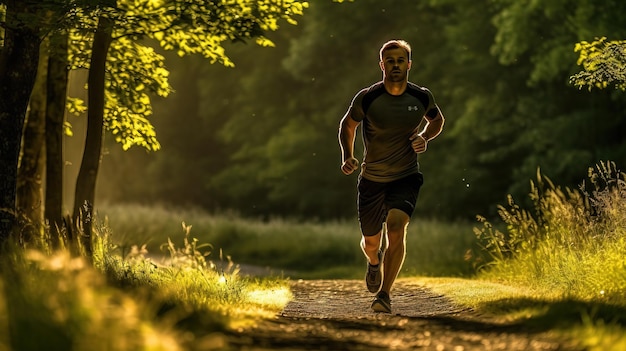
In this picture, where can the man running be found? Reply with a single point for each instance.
(391, 114)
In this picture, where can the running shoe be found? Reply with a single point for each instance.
(382, 303)
(374, 275)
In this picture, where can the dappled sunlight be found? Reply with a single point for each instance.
(259, 301)
(66, 293)
(57, 262)
(275, 298)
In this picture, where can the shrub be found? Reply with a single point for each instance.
(572, 241)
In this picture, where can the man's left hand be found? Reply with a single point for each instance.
(418, 143)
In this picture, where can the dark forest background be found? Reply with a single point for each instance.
(261, 138)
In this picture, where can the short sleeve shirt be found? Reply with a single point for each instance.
(388, 122)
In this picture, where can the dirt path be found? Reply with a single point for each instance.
(335, 315)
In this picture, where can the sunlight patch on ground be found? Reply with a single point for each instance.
(275, 298)
(260, 303)
(490, 297)
(472, 291)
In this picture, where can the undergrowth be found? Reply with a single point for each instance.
(572, 242)
(293, 248)
(127, 301)
(570, 246)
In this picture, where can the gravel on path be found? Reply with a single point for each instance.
(336, 315)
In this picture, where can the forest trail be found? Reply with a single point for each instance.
(335, 315)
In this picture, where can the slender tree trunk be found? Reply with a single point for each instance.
(18, 68)
(88, 172)
(32, 161)
(55, 113)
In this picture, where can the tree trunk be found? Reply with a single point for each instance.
(31, 163)
(55, 113)
(88, 172)
(18, 68)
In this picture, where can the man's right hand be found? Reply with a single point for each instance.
(350, 165)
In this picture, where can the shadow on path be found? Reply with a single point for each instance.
(335, 315)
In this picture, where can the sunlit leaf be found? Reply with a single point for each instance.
(187, 27)
(603, 63)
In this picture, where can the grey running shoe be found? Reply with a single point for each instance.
(382, 303)
(374, 275)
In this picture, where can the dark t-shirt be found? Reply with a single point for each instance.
(388, 122)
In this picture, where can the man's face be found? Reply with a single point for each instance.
(395, 65)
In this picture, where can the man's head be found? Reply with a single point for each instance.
(395, 60)
(394, 44)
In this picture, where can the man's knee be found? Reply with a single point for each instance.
(397, 221)
(371, 241)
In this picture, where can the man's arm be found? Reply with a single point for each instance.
(433, 127)
(347, 135)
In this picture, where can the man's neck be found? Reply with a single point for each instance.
(395, 88)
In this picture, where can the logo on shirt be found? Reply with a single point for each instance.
(413, 108)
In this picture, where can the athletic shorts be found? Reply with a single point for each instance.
(376, 199)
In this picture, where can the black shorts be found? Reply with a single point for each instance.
(376, 199)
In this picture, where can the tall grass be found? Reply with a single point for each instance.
(57, 302)
(153, 284)
(570, 251)
(573, 242)
(297, 249)
(53, 301)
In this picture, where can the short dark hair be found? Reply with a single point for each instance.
(394, 44)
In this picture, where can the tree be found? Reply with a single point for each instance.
(188, 27)
(32, 158)
(26, 24)
(560, 115)
(86, 181)
(499, 70)
(603, 62)
(56, 98)
(18, 68)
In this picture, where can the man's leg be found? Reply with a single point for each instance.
(370, 246)
(374, 275)
(401, 197)
(397, 222)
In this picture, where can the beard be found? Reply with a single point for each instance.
(397, 76)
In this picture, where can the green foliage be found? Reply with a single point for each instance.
(190, 27)
(296, 248)
(187, 277)
(293, 145)
(127, 301)
(603, 63)
(522, 115)
(556, 210)
(136, 72)
(521, 32)
(140, 71)
(264, 138)
(71, 306)
(572, 242)
(190, 253)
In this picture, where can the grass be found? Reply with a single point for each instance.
(159, 283)
(300, 250)
(71, 306)
(127, 302)
(593, 325)
(565, 257)
(573, 242)
(558, 266)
